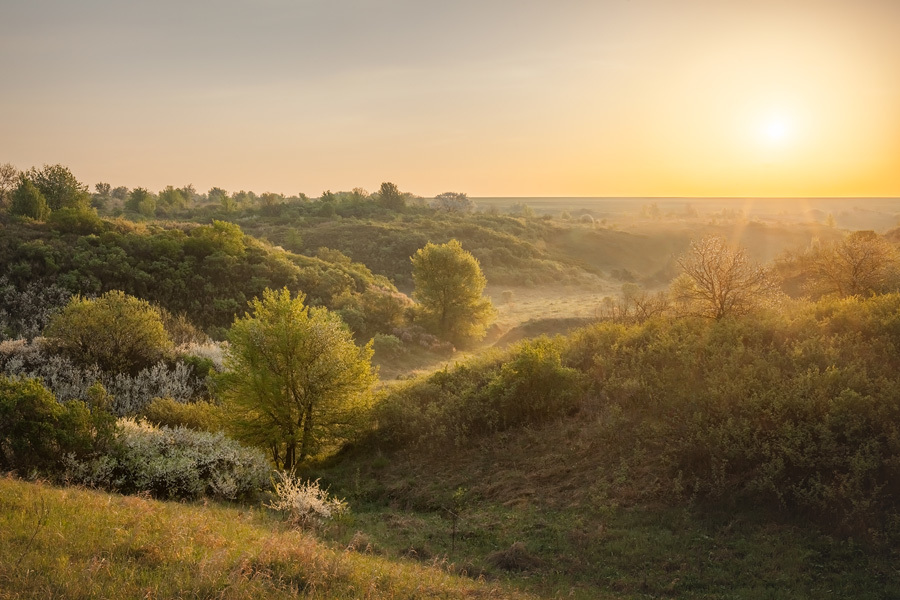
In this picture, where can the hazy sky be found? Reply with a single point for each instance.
(489, 97)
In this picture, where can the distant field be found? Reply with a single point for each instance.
(851, 213)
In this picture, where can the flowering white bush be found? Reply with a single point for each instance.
(213, 351)
(304, 502)
(25, 312)
(173, 463)
(69, 381)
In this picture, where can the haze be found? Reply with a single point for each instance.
(500, 98)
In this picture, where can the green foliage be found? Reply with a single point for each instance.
(800, 409)
(142, 202)
(176, 463)
(36, 431)
(797, 409)
(28, 201)
(205, 273)
(117, 332)
(199, 416)
(389, 196)
(449, 286)
(527, 386)
(58, 185)
(29, 416)
(295, 382)
(80, 221)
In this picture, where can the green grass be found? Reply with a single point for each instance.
(586, 533)
(73, 543)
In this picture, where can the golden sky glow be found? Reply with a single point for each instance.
(494, 98)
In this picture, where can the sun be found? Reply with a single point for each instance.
(776, 130)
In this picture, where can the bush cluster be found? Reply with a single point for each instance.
(798, 408)
(487, 395)
(36, 430)
(173, 463)
(70, 381)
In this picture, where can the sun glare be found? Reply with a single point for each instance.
(776, 131)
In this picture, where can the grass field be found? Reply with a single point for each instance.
(73, 543)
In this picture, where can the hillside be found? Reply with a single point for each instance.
(690, 458)
(74, 543)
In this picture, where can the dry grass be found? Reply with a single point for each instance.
(73, 543)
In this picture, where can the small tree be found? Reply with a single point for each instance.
(390, 197)
(28, 201)
(720, 280)
(294, 380)
(141, 201)
(453, 202)
(449, 285)
(117, 332)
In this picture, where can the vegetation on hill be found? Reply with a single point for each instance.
(207, 272)
(795, 409)
(75, 543)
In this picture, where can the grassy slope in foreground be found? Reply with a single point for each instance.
(73, 543)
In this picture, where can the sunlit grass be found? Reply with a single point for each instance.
(72, 543)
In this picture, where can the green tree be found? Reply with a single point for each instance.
(28, 201)
(294, 381)
(141, 201)
(117, 332)
(172, 197)
(448, 287)
(60, 187)
(389, 196)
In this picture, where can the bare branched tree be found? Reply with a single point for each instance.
(720, 280)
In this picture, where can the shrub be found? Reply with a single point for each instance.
(36, 431)
(199, 416)
(25, 312)
(117, 332)
(130, 393)
(305, 504)
(173, 463)
(387, 346)
(526, 386)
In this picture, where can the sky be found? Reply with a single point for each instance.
(796, 98)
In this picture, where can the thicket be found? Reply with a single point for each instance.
(512, 251)
(172, 463)
(183, 379)
(207, 273)
(81, 442)
(492, 393)
(798, 408)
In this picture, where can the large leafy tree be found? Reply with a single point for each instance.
(117, 332)
(449, 286)
(294, 381)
